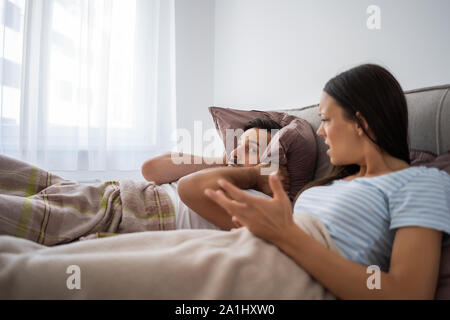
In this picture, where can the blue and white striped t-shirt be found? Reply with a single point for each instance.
(362, 214)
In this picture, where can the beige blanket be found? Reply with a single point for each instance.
(176, 264)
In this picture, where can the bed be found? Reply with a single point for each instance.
(201, 264)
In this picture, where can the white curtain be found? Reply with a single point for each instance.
(88, 86)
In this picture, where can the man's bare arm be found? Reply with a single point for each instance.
(163, 169)
(191, 191)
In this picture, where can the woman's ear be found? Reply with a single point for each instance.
(362, 121)
(365, 124)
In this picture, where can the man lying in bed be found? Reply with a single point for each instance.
(166, 172)
(45, 208)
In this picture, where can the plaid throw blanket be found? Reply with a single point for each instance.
(42, 207)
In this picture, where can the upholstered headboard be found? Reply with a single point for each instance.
(429, 122)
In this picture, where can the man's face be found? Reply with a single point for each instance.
(252, 143)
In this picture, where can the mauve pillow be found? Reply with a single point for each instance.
(297, 146)
(430, 160)
(442, 162)
(420, 157)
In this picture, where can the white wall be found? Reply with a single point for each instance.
(194, 41)
(279, 53)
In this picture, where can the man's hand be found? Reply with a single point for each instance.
(262, 181)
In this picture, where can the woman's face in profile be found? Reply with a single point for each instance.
(339, 133)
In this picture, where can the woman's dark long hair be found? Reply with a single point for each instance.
(376, 94)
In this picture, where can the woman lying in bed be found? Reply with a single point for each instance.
(166, 170)
(378, 209)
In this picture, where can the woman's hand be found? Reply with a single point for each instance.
(262, 180)
(269, 219)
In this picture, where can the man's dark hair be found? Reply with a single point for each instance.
(261, 123)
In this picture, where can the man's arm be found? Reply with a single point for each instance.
(191, 191)
(163, 168)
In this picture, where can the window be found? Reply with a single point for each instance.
(87, 85)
